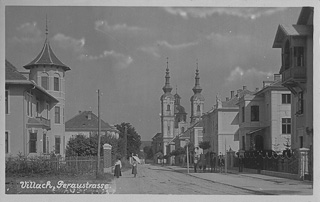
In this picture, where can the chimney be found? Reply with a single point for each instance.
(257, 89)
(277, 77)
(232, 94)
(244, 87)
(227, 99)
(238, 92)
(79, 112)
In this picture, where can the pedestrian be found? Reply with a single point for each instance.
(117, 168)
(134, 166)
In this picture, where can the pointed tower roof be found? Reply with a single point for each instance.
(197, 88)
(167, 87)
(46, 57)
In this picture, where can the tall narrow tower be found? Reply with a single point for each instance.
(49, 72)
(167, 111)
(197, 100)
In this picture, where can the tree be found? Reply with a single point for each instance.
(148, 151)
(178, 151)
(133, 139)
(80, 145)
(204, 145)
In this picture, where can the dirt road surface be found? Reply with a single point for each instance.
(161, 180)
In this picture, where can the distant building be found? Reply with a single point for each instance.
(29, 110)
(221, 124)
(265, 118)
(86, 123)
(296, 44)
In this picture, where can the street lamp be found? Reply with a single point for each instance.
(187, 143)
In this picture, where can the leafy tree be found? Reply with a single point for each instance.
(204, 145)
(133, 139)
(80, 145)
(178, 151)
(148, 151)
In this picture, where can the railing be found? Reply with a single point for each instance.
(294, 73)
(44, 121)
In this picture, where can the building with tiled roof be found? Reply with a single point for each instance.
(265, 118)
(43, 124)
(87, 123)
(28, 106)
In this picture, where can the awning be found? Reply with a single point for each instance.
(254, 131)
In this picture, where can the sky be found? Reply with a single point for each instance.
(123, 52)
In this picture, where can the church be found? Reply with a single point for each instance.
(173, 115)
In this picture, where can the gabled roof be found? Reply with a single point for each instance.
(291, 30)
(12, 72)
(47, 57)
(86, 121)
(158, 135)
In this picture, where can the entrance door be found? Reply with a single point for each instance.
(258, 142)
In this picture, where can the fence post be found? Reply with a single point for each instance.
(107, 158)
(303, 162)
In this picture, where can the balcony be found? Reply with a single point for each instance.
(45, 122)
(294, 74)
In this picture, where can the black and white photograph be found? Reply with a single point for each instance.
(141, 101)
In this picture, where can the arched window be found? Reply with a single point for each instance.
(56, 82)
(182, 130)
(198, 108)
(168, 107)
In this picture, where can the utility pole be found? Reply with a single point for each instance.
(225, 161)
(99, 131)
(125, 142)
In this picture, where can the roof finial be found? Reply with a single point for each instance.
(167, 63)
(176, 89)
(47, 26)
(197, 65)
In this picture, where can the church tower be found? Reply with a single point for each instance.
(197, 100)
(167, 112)
(180, 123)
(47, 71)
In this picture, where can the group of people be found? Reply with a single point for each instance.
(202, 160)
(133, 162)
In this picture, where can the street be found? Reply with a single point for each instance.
(154, 179)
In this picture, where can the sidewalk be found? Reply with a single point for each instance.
(261, 184)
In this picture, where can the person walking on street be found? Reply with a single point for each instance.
(117, 168)
(134, 167)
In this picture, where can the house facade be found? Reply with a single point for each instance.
(296, 44)
(29, 110)
(265, 118)
(86, 123)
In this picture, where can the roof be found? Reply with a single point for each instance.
(178, 109)
(231, 103)
(291, 30)
(12, 72)
(158, 135)
(196, 97)
(86, 121)
(168, 94)
(47, 57)
(304, 15)
(274, 85)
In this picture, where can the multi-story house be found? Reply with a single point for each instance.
(86, 123)
(265, 118)
(28, 109)
(221, 123)
(296, 44)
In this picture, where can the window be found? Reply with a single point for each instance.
(301, 141)
(168, 107)
(47, 106)
(45, 82)
(33, 143)
(243, 114)
(286, 56)
(29, 104)
(47, 145)
(286, 126)
(298, 54)
(44, 145)
(38, 108)
(57, 144)
(56, 84)
(7, 142)
(169, 129)
(57, 115)
(300, 103)
(198, 108)
(7, 102)
(286, 98)
(182, 130)
(254, 113)
(200, 136)
(243, 143)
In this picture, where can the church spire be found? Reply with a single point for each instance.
(167, 87)
(47, 31)
(197, 88)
